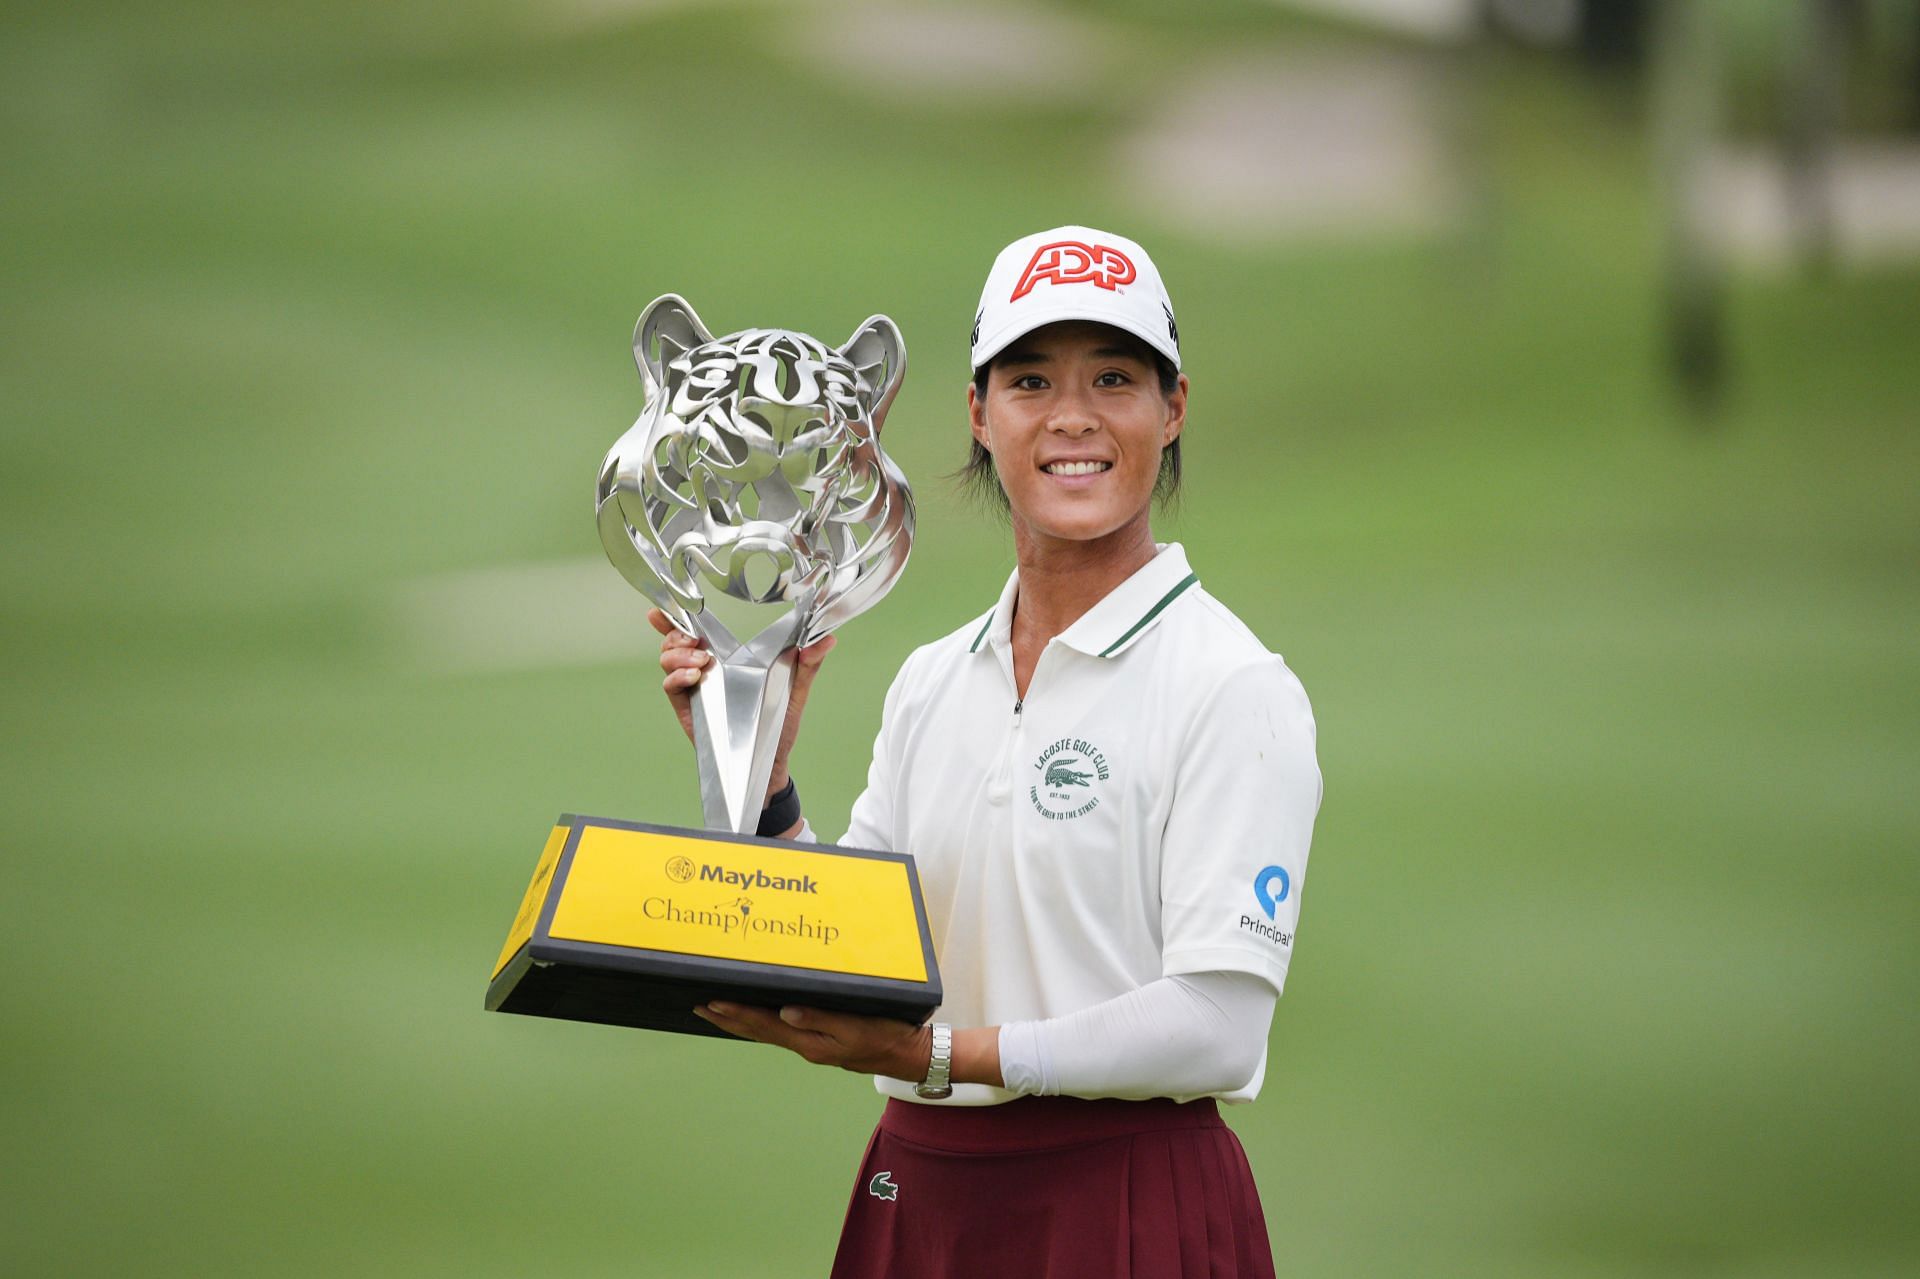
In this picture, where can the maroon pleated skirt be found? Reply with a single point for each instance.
(1058, 1187)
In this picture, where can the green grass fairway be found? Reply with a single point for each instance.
(1608, 964)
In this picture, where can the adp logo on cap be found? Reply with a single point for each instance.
(1073, 262)
(1126, 293)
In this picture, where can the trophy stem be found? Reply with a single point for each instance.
(738, 712)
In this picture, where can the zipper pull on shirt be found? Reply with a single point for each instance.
(1000, 781)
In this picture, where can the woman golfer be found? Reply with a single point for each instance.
(1108, 785)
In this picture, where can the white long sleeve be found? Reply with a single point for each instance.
(1183, 1037)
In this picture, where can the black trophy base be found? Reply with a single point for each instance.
(611, 997)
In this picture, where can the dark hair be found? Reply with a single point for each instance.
(977, 479)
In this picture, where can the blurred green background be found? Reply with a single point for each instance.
(317, 328)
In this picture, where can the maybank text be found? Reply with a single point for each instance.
(757, 878)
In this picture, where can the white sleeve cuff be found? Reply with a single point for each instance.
(1024, 1060)
(1188, 1036)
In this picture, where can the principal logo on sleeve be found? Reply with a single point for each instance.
(1072, 773)
(1270, 888)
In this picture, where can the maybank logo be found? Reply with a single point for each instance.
(756, 878)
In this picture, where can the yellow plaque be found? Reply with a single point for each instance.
(796, 906)
(522, 931)
(634, 925)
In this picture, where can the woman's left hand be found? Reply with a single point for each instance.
(868, 1045)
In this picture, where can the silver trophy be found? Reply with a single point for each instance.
(751, 502)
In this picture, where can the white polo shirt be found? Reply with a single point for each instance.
(1144, 812)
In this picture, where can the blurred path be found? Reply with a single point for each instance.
(529, 616)
(1439, 19)
(944, 52)
(1875, 200)
(1303, 143)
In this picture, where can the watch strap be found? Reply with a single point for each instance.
(782, 812)
(939, 1080)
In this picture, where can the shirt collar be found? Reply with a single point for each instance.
(1110, 627)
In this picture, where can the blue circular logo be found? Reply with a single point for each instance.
(1262, 888)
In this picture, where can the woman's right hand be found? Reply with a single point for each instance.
(685, 659)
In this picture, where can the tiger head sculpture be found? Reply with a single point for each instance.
(755, 473)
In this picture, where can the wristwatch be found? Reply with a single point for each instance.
(939, 1082)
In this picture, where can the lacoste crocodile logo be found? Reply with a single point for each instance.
(1059, 774)
(882, 1187)
(1073, 775)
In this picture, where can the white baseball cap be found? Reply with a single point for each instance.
(1073, 273)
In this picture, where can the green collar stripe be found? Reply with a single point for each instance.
(1152, 613)
(975, 646)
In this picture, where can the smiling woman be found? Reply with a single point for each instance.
(978, 474)
(1112, 867)
(1079, 419)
